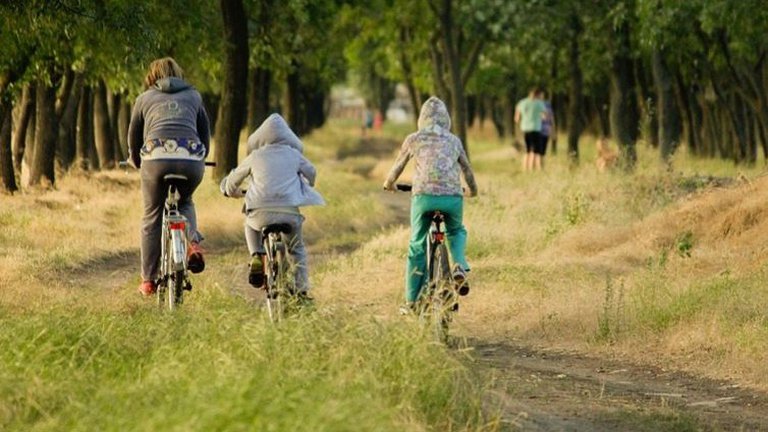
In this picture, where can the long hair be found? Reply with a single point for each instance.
(162, 68)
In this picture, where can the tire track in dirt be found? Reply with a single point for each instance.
(543, 390)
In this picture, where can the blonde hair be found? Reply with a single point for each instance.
(162, 68)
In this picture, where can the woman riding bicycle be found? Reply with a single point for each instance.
(439, 158)
(281, 181)
(169, 133)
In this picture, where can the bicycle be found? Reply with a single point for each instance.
(278, 282)
(173, 278)
(438, 299)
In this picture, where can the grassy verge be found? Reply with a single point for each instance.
(220, 365)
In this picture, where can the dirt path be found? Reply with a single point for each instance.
(554, 391)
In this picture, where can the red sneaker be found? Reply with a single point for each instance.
(147, 288)
(195, 261)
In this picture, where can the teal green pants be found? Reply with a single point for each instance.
(452, 207)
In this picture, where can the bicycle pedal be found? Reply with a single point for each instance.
(187, 286)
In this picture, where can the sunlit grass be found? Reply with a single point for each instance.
(570, 258)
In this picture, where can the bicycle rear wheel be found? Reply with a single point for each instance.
(442, 298)
(176, 290)
(275, 296)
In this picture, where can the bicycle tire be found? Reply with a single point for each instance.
(176, 290)
(274, 299)
(440, 293)
(165, 265)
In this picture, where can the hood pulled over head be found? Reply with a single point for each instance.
(434, 113)
(274, 130)
(171, 85)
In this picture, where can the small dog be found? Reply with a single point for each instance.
(606, 157)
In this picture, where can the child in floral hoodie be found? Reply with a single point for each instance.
(439, 161)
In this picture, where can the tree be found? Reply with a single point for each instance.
(233, 97)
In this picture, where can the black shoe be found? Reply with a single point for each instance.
(460, 278)
(256, 272)
(195, 261)
(304, 300)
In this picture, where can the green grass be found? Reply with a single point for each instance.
(220, 365)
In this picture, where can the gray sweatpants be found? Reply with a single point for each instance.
(257, 219)
(154, 193)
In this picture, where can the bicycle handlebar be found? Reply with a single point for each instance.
(126, 164)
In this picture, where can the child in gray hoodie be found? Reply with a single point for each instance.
(281, 181)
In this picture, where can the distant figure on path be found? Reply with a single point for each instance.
(548, 126)
(367, 120)
(529, 114)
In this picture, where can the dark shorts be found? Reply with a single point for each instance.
(536, 143)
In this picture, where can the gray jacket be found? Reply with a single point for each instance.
(171, 109)
(280, 176)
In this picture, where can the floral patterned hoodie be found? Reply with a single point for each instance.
(437, 153)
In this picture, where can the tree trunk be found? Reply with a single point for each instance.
(67, 82)
(624, 117)
(105, 145)
(405, 64)
(234, 88)
(293, 102)
(647, 103)
(575, 89)
(438, 73)
(258, 97)
(46, 133)
(315, 107)
(7, 176)
(691, 115)
(451, 52)
(84, 134)
(123, 121)
(114, 102)
(668, 114)
(65, 149)
(26, 114)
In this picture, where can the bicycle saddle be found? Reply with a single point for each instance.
(277, 228)
(175, 179)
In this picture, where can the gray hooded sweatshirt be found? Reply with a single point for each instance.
(171, 109)
(280, 176)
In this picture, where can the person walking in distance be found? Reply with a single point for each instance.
(529, 113)
(169, 133)
(548, 127)
(440, 160)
